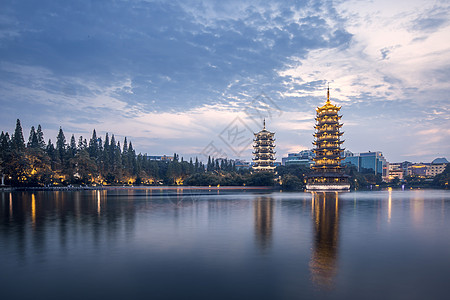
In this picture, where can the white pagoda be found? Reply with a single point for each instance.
(264, 156)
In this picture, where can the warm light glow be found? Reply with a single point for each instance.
(98, 202)
(389, 205)
(10, 205)
(179, 181)
(33, 209)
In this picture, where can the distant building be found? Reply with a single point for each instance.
(437, 166)
(304, 157)
(424, 170)
(160, 157)
(264, 156)
(369, 162)
(242, 164)
(395, 171)
(418, 170)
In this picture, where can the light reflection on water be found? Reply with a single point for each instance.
(323, 265)
(142, 242)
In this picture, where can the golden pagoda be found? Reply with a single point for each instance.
(327, 170)
(263, 146)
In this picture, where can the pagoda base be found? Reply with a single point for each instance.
(327, 187)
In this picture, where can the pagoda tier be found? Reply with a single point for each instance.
(327, 170)
(264, 154)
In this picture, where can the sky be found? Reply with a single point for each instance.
(198, 77)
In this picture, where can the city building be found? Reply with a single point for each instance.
(395, 171)
(304, 157)
(368, 162)
(424, 170)
(437, 166)
(418, 170)
(241, 164)
(160, 157)
(327, 170)
(263, 152)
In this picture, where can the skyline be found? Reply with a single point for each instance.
(173, 76)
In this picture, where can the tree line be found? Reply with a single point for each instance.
(94, 161)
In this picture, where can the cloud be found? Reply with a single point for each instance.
(172, 75)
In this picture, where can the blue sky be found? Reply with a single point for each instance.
(196, 77)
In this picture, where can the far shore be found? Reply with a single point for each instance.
(104, 187)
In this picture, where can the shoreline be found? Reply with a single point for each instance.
(94, 188)
(191, 188)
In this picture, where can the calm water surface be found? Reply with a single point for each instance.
(152, 244)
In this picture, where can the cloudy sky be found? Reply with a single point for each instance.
(196, 77)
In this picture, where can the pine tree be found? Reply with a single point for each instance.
(61, 141)
(208, 166)
(17, 141)
(106, 154)
(217, 167)
(80, 144)
(61, 146)
(72, 147)
(112, 150)
(5, 150)
(117, 167)
(32, 139)
(93, 145)
(106, 145)
(40, 137)
(125, 161)
(125, 146)
(100, 146)
(52, 154)
(196, 166)
(131, 159)
(191, 166)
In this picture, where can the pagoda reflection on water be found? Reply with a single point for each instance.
(324, 256)
(327, 171)
(263, 211)
(264, 156)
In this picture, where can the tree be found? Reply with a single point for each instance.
(80, 143)
(33, 139)
(72, 147)
(261, 179)
(61, 146)
(17, 141)
(61, 141)
(93, 145)
(131, 158)
(443, 179)
(5, 152)
(125, 161)
(209, 165)
(86, 168)
(291, 182)
(196, 165)
(40, 137)
(51, 152)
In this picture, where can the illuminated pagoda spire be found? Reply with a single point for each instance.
(263, 153)
(327, 170)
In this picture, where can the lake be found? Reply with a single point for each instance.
(189, 244)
